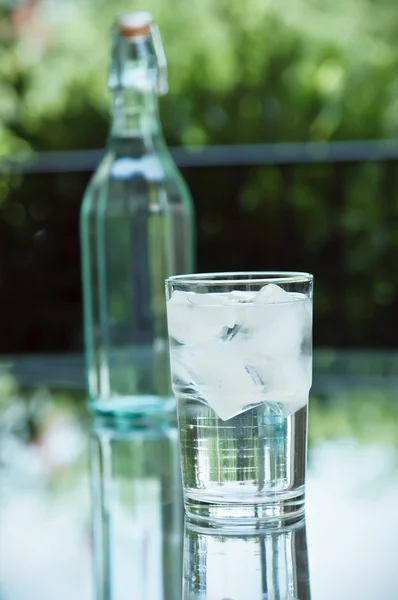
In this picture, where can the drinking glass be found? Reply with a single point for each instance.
(241, 366)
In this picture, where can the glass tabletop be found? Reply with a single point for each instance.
(345, 548)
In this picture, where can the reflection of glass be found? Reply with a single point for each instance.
(241, 564)
(137, 513)
(241, 358)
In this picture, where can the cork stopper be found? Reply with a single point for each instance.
(134, 24)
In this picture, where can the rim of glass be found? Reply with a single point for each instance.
(242, 277)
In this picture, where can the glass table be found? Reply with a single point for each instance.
(345, 548)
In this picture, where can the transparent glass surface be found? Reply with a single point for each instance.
(241, 364)
(351, 485)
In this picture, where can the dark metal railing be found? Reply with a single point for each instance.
(334, 371)
(219, 156)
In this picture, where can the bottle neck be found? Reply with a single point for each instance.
(135, 114)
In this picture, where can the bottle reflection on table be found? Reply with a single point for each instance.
(242, 564)
(137, 513)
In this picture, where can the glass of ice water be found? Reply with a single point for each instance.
(241, 365)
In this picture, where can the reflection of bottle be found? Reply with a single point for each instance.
(245, 564)
(136, 229)
(137, 513)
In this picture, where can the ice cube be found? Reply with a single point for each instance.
(290, 382)
(293, 403)
(242, 296)
(218, 373)
(198, 317)
(272, 294)
(275, 328)
(242, 348)
(280, 321)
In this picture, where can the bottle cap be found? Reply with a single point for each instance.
(134, 24)
(130, 27)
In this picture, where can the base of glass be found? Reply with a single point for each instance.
(267, 512)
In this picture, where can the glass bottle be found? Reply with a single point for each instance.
(137, 228)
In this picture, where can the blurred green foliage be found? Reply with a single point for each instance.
(239, 72)
(368, 417)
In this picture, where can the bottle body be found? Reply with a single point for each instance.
(136, 229)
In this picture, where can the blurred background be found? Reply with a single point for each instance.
(283, 118)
